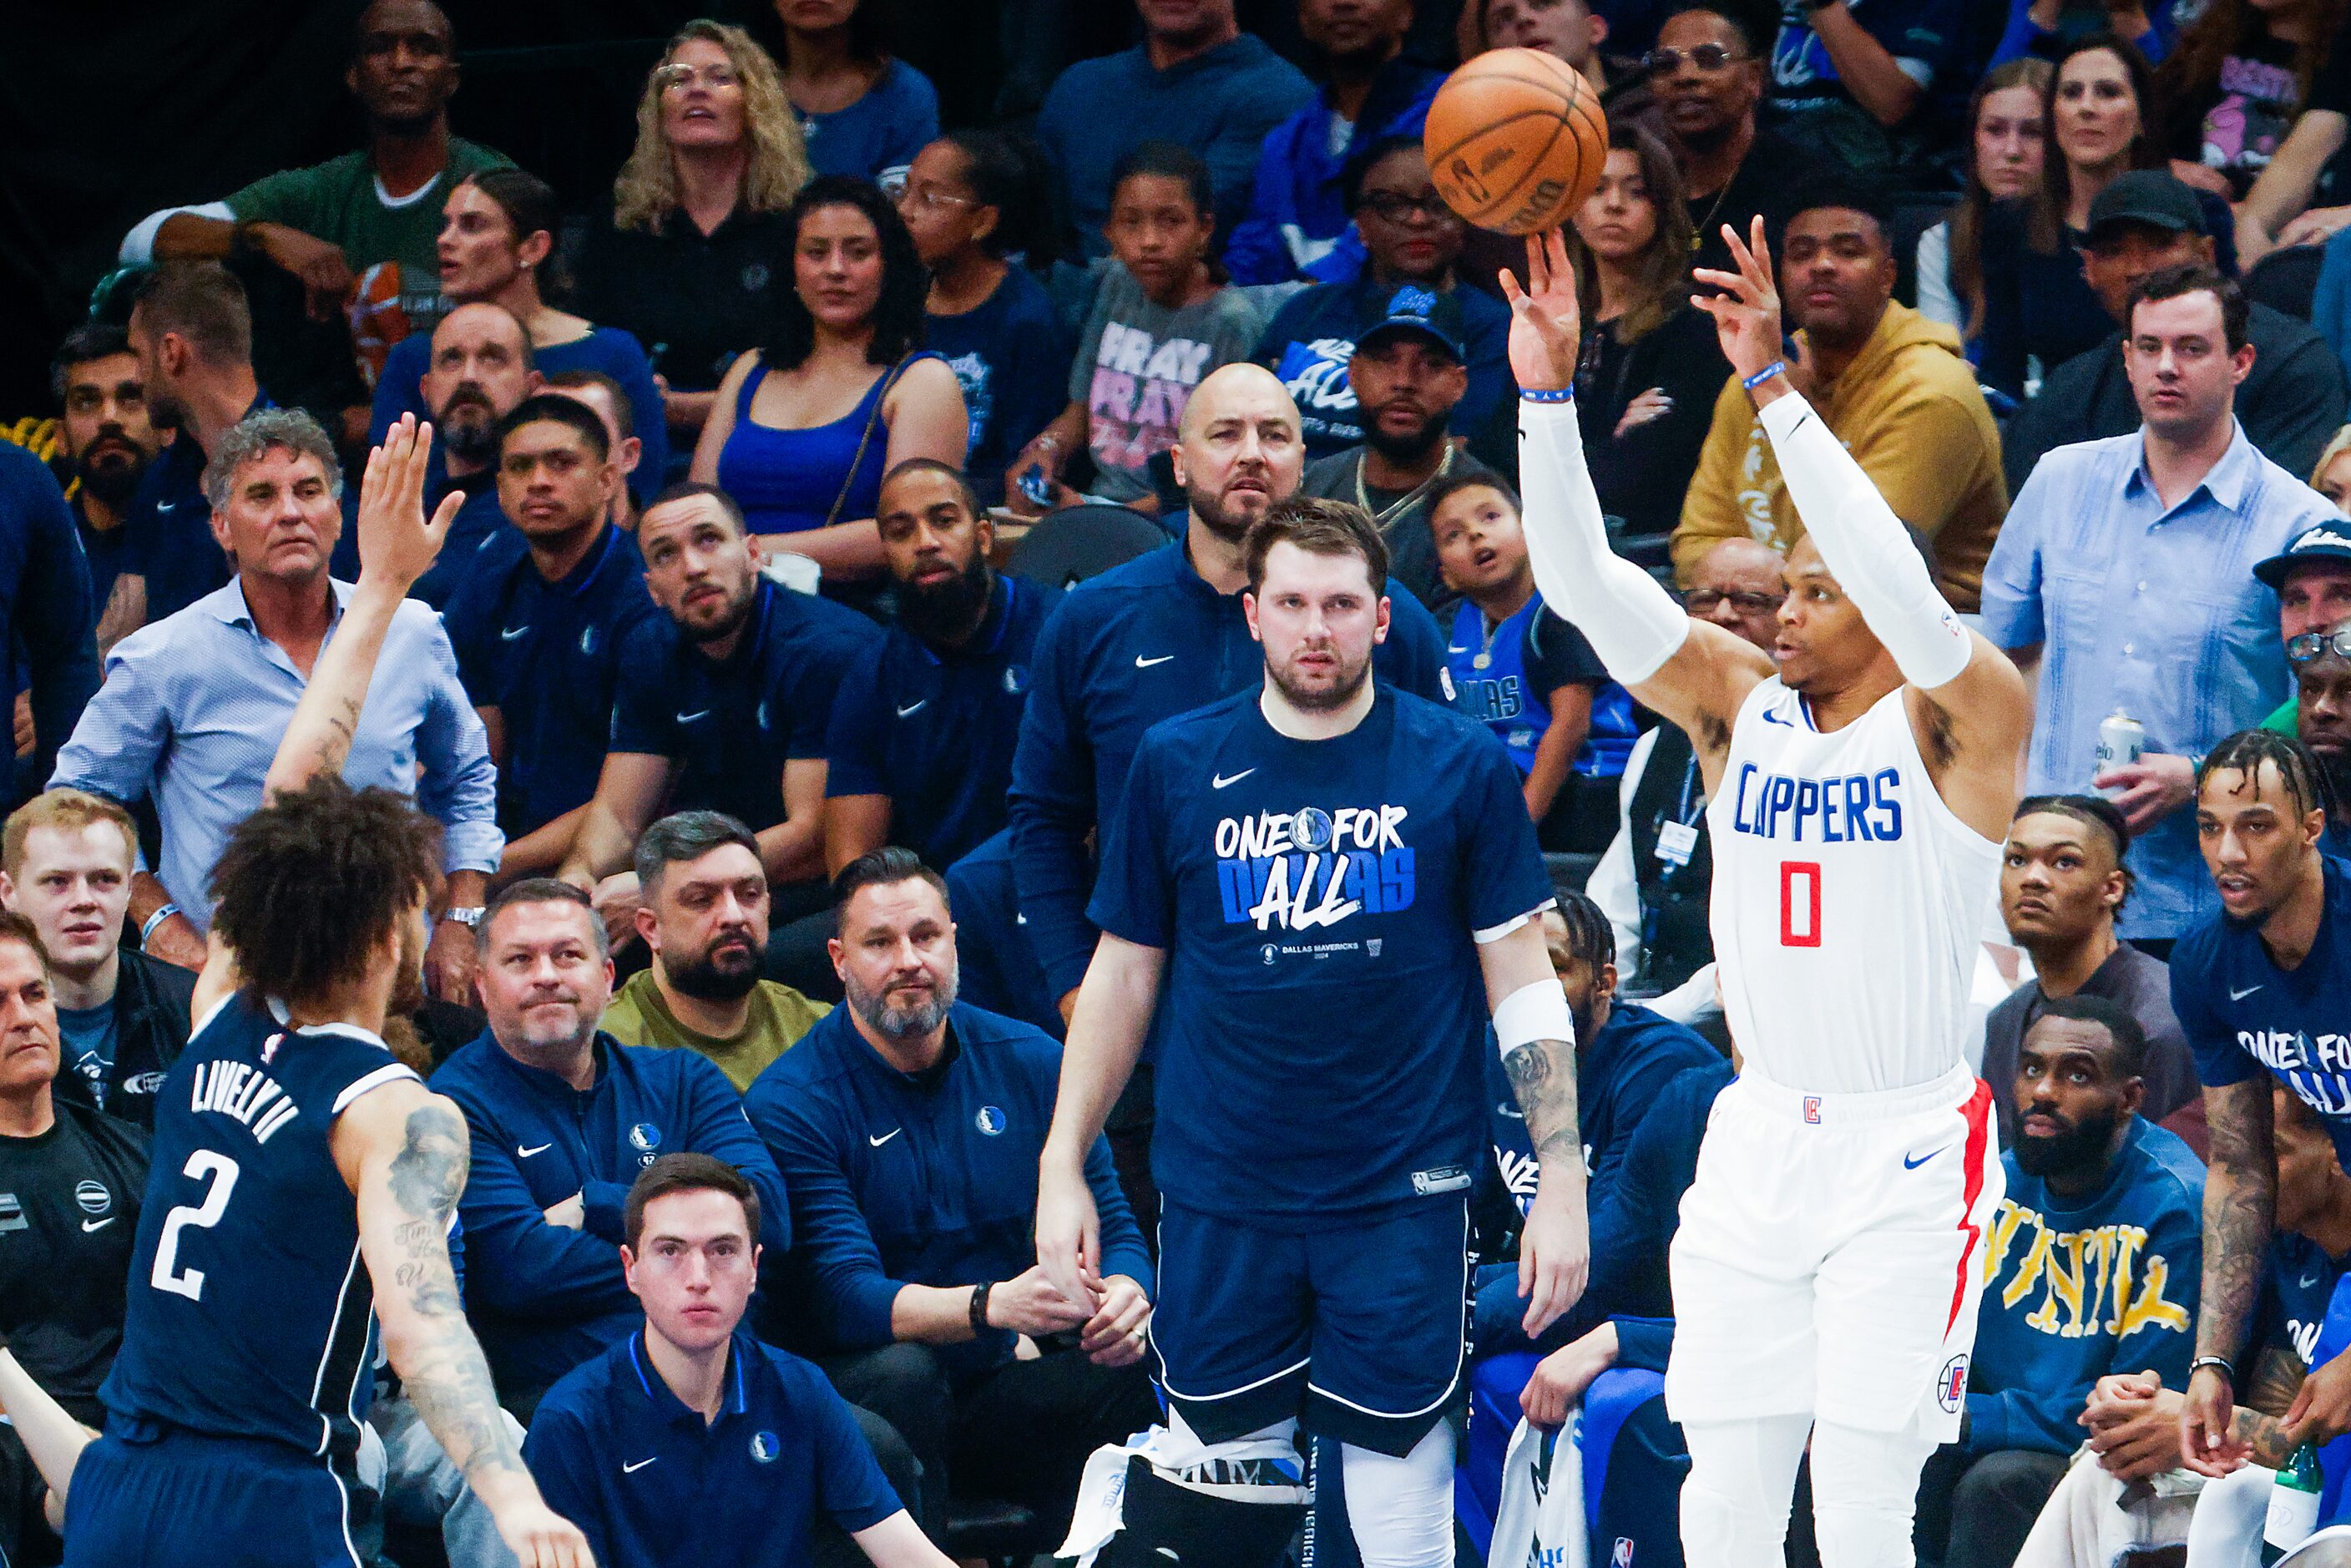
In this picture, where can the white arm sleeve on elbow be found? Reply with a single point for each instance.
(139, 245)
(1867, 546)
(1632, 623)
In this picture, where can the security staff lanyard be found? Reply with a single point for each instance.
(1677, 840)
(1381, 519)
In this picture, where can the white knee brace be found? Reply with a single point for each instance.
(1401, 1510)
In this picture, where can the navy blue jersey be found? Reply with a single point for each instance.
(2295, 1287)
(250, 1307)
(733, 724)
(933, 728)
(1325, 1010)
(547, 655)
(2242, 1014)
(1143, 641)
(651, 1483)
(1503, 677)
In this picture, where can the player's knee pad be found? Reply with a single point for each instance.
(1734, 1503)
(1401, 1510)
(1226, 1504)
(1866, 1494)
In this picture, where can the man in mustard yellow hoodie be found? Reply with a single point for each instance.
(1891, 384)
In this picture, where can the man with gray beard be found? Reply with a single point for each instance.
(908, 1127)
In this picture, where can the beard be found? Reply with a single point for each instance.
(901, 1024)
(1326, 699)
(1229, 524)
(2081, 1146)
(730, 620)
(1412, 446)
(722, 972)
(113, 480)
(947, 611)
(474, 441)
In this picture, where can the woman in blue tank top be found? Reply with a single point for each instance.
(805, 427)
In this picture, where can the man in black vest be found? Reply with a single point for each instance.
(1654, 880)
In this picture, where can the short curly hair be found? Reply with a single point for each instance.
(314, 881)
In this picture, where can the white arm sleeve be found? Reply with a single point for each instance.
(1866, 548)
(1613, 884)
(1632, 623)
(139, 245)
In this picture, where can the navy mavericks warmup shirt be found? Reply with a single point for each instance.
(544, 1298)
(1324, 1013)
(733, 724)
(1143, 641)
(250, 1309)
(652, 1484)
(2242, 1014)
(168, 526)
(547, 656)
(933, 728)
(923, 1180)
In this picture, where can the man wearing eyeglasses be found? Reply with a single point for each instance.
(2312, 578)
(1707, 74)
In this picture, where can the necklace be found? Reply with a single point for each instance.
(1697, 238)
(1380, 519)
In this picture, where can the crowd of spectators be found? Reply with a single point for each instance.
(837, 501)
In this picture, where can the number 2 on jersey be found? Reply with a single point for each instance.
(219, 1171)
(1800, 904)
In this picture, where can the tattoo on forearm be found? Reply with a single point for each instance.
(1542, 1077)
(2240, 1193)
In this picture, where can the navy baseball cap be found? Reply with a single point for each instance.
(2326, 541)
(1434, 316)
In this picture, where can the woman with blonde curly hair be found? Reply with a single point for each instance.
(690, 259)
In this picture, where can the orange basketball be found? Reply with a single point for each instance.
(1516, 140)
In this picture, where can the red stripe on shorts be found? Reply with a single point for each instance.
(1978, 1111)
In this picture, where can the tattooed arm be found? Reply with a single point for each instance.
(403, 1151)
(2259, 1423)
(2240, 1198)
(1555, 1248)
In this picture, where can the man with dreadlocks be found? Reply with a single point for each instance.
(2263, 990)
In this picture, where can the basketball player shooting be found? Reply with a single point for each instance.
(1829, 1261)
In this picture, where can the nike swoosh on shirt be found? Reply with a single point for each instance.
(690, 717)
(534, 1149)
(1219, 781)
(1454, 648)
(89, 1225)
(1512, 1112)
(641, 1464)
(1910, 1164)
(1771, 717)
(508, 634)
(884, 1138)
(2237, 996)
(1142, 663)
(916, 708)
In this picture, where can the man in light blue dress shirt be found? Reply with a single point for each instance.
(195, 705)
(2125, 574)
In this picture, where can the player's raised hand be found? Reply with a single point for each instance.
(2207, 1446)
(397, 543)
(1554, 1256)
(1546, 323)
(1069, 1227)
(1746, 313)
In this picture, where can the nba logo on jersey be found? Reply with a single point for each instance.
(1813, 1109)
(1951, 1385)
(1622, 1557)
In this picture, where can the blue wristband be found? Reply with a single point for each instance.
(1765, 374)
(1540, 394)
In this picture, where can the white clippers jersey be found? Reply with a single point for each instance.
(1848, 900)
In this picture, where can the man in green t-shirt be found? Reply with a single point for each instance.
(2313, 580)
(358, 231)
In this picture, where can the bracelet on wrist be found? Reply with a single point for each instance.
(2221, 1361)
(1776, 367)
(1548, 394)
(147, 926)
(979, 1324)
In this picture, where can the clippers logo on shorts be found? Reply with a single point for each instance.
(1853, 807)
(1305, 870)
(1951, 1385)
(1813, 1109)
(2099, 1281)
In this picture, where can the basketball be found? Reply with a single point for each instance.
(1516, 140)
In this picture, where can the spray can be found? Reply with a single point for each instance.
(2122, 739)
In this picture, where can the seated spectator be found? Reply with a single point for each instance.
(807, 422)
(192, 332)
(2331, 476)
(108, 440)
(2106, 1506)
(1411, 239)
(2312, 577)
(46, 620)
(604, 398)
(1649, 367)
(1707, 74)
(1194, 79)
(1626, 1058)
(1406, 377)
(918, 1247)
(1516, 667)
(2079, 588)
(763, 1452)
(66, 860)
(704, 917)
(1163, 318)
(75, 1182)
(972, 200)
(1567, 29)
(2143, 222)
(722, 706)
(481, 371)
(1846, 79)
(1297, 224)
(194, 704)
(2235, 82)
(357, 232)
(2041, 29)
(2298, 198)
(2062, 882)
(498, 243)
(687, 261)
(864, 113)
(1655, 880)
(2039, 311)
(918, 751)
(2085, 1168)
(1891, 385)
(562, 1117)
(2008, 124)
(2322, 679)
(540, 634)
